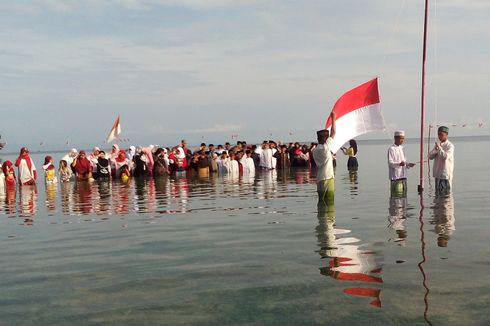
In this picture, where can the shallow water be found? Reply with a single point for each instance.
(250, 251)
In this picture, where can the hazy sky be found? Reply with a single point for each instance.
(206, 69)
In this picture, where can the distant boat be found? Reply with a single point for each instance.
(2, 144)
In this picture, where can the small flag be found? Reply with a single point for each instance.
(115, 131)
(358, 112)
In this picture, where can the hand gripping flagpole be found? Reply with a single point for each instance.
(422, 103)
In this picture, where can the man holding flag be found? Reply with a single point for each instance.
(322, 154)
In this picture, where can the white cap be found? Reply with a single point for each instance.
(399, 133)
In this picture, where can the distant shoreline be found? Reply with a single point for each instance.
(9, 151)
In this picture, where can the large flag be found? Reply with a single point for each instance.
(115, 131)
(358, 112)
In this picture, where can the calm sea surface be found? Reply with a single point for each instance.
(215, 251)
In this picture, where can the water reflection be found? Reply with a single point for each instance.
(353, 183)
(162, 195)
(51, 192)
(28, 201)
(398, 218)
(443, 218)
(103, 200)
(347, 259)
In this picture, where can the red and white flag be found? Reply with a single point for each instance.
(115, 131)
(358, 112)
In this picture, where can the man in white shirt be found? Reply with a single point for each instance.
(266, 157)
(322, 155)
(443, 156)
(398, 165)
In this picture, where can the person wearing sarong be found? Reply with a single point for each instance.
(323, 158)
(443, 156)
(398, 165)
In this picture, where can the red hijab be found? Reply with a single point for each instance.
(24, 154)
(7, 167)
(48, 160)
(121, 157)
(83, 165)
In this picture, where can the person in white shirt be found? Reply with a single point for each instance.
(443, 156)
(398, 165)
(234, 168)
(224, 164)
(248, 163)
(70, 157)
(266, 157)
(322, 155)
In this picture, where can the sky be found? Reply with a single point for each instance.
(208, 70)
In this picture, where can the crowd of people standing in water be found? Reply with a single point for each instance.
(155, 161)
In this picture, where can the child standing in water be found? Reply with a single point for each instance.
(49, 170)
(124, 173)
(9, 174)
(64, 171)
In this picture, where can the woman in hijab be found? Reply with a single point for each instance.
(93, 157)
(120, 161)
(114, 152)
(149, 154)
(180, 160)
(112, 158)
(82, 167)
(103, 167)
(160, 167)
(64, 171)
(26, 167)
(140, 161)
(9, 173)
(131, 153)
(49, 170)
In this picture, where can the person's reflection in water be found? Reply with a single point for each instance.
(141, 192)
(353, 184)
(121, 198)
(51, 189)
(10, 200)
(269, 179)
(83, 198)
(28, 203)
(180, 194)
(67, 201)
(103, 200)
(163, 194)
(443, 218)
(398, 217)
(347, 261)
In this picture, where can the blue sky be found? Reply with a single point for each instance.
(205, 70)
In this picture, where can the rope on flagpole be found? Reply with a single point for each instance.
(388, 132)
(435, 84)
(389, 44)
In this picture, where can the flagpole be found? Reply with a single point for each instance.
(422, 103)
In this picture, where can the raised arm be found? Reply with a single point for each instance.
(333, 129)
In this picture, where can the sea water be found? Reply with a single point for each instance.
(251, 251)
